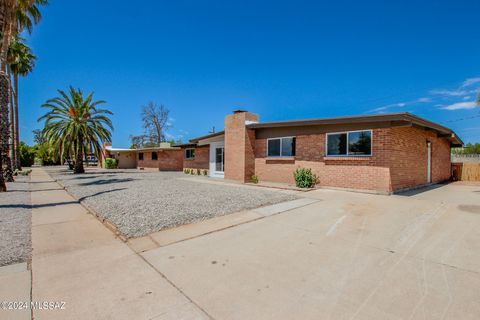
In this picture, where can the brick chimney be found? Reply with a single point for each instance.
(240, 146)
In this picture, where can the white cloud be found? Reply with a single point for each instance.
(388, 106)
(470, 81)
(461, 105)
(424, 100)
(451, 93)
(467, 97)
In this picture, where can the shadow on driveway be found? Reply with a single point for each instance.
(105, 181)
(414, 192)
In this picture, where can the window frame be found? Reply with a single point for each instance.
(141, 156)
(280, 138)
(156, 155)
(348, 144)
(191, 158)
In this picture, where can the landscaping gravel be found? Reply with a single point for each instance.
(139, 203)
(15, 222)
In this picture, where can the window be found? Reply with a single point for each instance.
(154, 156)
(189, 153)
(140, 156)
(281, 147)
(353, 143)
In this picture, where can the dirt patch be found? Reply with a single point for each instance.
(469, 208)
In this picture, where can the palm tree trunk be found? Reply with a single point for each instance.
(78, 168)
(18, 165)
(12, 127)
(4, 131)
(8, 173)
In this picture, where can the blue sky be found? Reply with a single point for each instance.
(282, 59)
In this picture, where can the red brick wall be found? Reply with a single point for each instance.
(147, 161)
(399, 161)
(201, 161)
(409, 157)
(370, 173)
(168, 160)
(239, 147)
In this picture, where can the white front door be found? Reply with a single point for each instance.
(217, 159)
(429, 162)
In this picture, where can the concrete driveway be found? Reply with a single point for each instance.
(347, 256)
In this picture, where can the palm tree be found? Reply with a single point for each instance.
(75, 126)
(15, 16)
(21, 61)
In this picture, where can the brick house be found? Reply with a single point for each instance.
(163, 158)
(383, 153)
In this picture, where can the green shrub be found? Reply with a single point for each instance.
(27, 155)
(254, 179)
(192, 172)
(199, 172)
(205, 172)
(305, 178)
(111, 163)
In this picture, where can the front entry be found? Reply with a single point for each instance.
(217, 159)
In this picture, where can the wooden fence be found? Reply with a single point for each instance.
(466, 171)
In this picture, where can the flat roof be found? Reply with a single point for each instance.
(141, 149)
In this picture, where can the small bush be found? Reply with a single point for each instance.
(254, 179)
(205, 172)
(305, 178)
(199, 172)
(27, 155)
(192, 172)
(111, 163)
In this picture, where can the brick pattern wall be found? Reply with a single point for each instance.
(239, 147)
(399, 161)
(168, 160)
(201, 161)
(409, 157)
(371, 173)
(147, 162)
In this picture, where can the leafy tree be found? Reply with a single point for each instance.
(468, 149)
(75, 126)
(140, 141)
(38, 137)
(46, 154)
(27, 155)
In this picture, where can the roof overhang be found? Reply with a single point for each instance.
(213, 137)
(393, 119)
(110, 149)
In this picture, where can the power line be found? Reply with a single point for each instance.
(462, 119)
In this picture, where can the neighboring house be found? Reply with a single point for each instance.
(383, 153)
(163, 158)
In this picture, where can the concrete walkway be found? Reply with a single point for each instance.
(15, 287)
(76, 260)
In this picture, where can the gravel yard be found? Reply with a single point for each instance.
(139, 203)
(15, 222)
